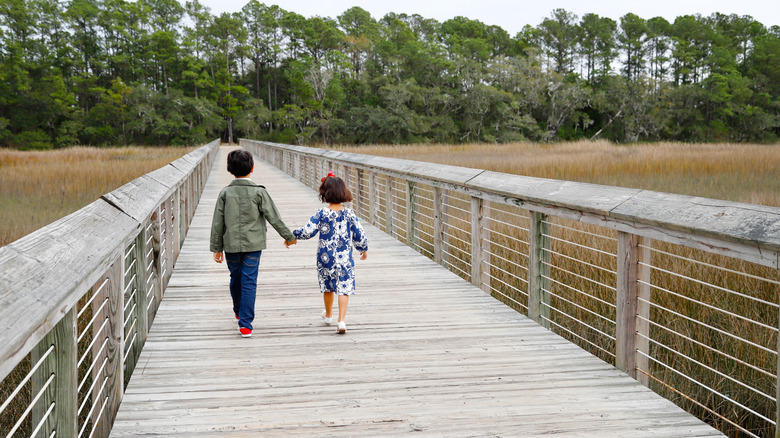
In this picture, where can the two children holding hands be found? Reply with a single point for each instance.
(238, 237)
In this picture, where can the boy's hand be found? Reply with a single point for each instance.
(363, 255)
(218, 257)
(292, 242)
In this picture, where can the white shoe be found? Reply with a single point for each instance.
(342, 327)
(325, 319)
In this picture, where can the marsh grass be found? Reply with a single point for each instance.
(735, 172)
(713, 319)
(39, 187)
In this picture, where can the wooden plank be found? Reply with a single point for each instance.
(731, 221)
(425, 352)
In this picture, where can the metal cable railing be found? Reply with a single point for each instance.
(655, 284)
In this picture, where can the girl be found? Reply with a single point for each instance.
(337, 225)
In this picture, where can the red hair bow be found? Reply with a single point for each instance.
(329, 174)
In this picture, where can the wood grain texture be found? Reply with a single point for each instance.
(426, 353)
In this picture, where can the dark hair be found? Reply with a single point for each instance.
(240, 162)
(333, 190)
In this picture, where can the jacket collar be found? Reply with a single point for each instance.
(242, 182)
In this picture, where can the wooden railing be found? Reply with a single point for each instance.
(77, 299)
(679, 292)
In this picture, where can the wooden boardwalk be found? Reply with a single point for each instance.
(426, 353)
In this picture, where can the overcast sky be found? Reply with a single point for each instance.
(512, 15)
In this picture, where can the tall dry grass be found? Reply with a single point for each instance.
(735, 172)
(37, 188)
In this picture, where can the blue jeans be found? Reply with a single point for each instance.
(243, 284)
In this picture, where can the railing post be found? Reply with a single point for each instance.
(485, 248)
(476, 241)
(176, 232)
(138, 285)
(627, 292)
(372, 198)
(538, 270)
(157, 264)
(643, 310)
(61, 362)
(106, 400)
(437, 225)
(358, 195)
(410, 200)
(390, 204)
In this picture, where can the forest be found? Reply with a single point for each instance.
(159, 72)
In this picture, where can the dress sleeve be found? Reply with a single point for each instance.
(358, 235)
(310, 229)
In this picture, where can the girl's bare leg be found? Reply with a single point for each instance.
(343, 301)
(327, 297)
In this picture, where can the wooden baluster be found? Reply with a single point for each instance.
(156, 262)
(476, 241)
(485, 283)
(109, 287)
(141, 302)
(643, 310)
(410, 211)
(437, 225)
(358, 201)
(445, 226)
(390, 204)
(373, 203)
(62, 391)
(538, 298)
(627, 291)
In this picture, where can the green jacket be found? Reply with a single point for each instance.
(239, 218)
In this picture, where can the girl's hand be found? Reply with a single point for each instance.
(292, 242)
(363, 255)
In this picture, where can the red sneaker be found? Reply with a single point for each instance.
(245, 332)
(236, 316)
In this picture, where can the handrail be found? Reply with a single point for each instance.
(675, 273)
(89, 284)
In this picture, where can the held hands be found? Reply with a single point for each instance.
(218, 257)
(363, 255)
(292, 242)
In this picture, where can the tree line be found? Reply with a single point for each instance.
(106, 72)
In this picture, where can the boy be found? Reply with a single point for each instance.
(238, 229)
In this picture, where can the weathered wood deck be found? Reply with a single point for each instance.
(425, 353)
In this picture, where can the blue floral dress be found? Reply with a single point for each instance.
(335, 265)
